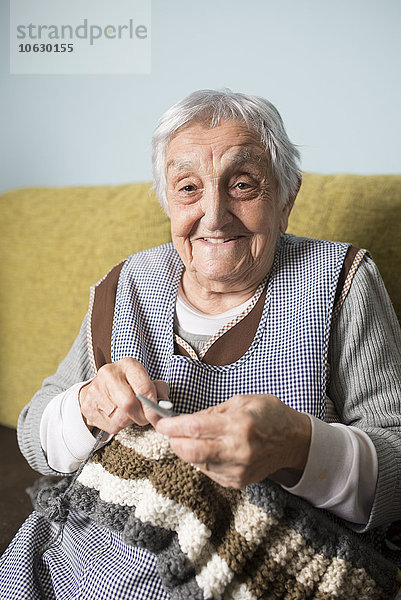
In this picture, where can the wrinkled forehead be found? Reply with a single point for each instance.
(242, 157)
(232, 141)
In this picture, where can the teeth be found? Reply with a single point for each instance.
(219, 240)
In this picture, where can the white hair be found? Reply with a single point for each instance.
(214, 107)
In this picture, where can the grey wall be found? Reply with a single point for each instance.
(331, 68)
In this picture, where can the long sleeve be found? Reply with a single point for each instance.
(73, 369)
(64, 436)
(341, 471)
(365, 388)
(365, 382)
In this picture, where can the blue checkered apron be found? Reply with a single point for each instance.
(87, 563)
(287, 358)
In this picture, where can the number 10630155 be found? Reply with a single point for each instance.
(46, 48)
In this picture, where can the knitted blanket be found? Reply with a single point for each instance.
(217, 543)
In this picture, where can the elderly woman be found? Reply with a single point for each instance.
(284, 355)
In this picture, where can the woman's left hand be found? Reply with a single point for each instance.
(243, 440)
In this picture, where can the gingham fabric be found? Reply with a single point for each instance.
(211, 542)
(288, 356)
(209, 341)
(87, 563)
(235, 320)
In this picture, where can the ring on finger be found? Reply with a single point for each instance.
(110, 413)
(205, 466)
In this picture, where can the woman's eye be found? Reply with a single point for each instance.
(187, 188)
(241, 185)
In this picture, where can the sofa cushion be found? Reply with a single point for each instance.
(56, 242)
(362, 209)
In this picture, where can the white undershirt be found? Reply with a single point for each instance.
(194, 321)
(341, 470)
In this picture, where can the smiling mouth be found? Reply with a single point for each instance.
(212, 240)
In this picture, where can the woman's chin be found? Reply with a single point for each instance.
(217, 273)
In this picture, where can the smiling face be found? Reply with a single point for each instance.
(222, 199)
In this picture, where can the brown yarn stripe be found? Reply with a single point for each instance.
(175, 479)
(265, 576)
(172, 478)
(123, 462)
(215, 507)
(237, 551)
(354, 584)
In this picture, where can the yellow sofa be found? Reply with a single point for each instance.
(56, 242)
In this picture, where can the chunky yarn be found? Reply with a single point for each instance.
(215, 543)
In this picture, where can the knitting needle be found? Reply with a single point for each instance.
(163, 408)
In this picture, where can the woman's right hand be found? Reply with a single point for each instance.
(109, 401)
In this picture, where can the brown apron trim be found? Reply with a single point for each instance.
(348, 260)
(227, 349)
(233, 344)
(351, 263)
(236, 341)
(180, 350)
(102, 316)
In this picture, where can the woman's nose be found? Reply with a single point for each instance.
(216, 210)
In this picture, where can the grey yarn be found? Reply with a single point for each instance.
(323, 533)
(50, 498)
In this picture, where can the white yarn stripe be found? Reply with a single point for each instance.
(112, 489)
(147, 442)
(333, 577)
(238, 591)
(151, 507)
(251, 521)
(313, 571)
(214, 577)
(195, 549)
(338, 572)
(288, 540)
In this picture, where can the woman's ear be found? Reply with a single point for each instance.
(287, 208)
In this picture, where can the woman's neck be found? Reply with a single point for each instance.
(214, 299)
